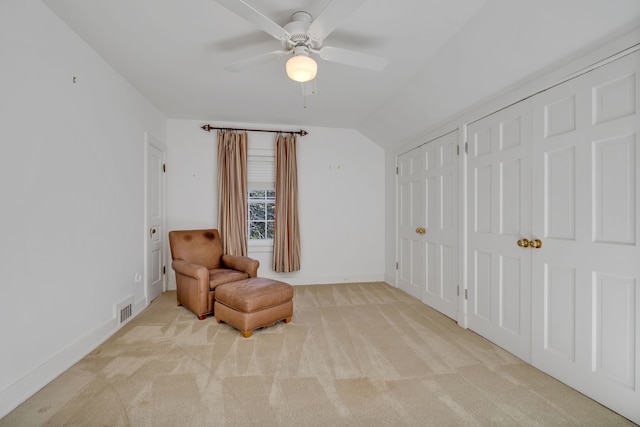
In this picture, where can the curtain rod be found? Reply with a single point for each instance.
(301, 132)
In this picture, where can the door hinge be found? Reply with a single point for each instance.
(164, 269)
(466, 147)
(458, 290)
(458, 150)
(164, 167)
(397, 168)
(466, 294)
(396, 265)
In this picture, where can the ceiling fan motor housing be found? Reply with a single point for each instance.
(298, 29)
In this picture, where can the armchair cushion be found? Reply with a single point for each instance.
(220, 276)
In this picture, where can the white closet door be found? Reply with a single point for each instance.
(412, 265)
(442, 224)
(498, 216)
(586, 275)
(428, 223)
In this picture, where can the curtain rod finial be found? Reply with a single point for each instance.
(206, 127)
(303, 132)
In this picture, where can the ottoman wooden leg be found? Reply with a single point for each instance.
(246, 334)
(287, 320)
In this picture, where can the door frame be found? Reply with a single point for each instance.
(150, 140)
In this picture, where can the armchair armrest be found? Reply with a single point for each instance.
(195, 271)
(242, 263)
(192, 285)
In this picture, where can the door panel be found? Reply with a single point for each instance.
(614, 190)
(560, 194)
(499, 215)
(586, 307)
(615, 329)
(482, 293)
(482, 190)
(509, 308)
(510, 173)
(441, 290)
(559, 328)
(412, 264)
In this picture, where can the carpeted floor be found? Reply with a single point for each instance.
(354, 355)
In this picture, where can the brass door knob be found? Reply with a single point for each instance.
(524, 243)
(536, 244)
(421, 230)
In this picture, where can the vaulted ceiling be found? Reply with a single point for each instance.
(444, 55)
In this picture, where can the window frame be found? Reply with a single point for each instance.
(268, 199)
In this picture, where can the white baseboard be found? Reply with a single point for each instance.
(139, 306)
(27, 386)
(391, 279)
(325, 280)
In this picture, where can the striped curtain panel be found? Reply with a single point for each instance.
(286, 240)
(232, 192)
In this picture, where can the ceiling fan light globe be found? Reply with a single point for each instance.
(301, 68)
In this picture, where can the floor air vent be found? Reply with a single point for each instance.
(124, 311)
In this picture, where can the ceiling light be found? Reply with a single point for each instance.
(301, 68)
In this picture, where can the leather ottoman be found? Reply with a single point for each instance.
(253, 303)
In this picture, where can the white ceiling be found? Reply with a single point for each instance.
(444, 55)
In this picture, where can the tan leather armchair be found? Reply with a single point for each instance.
(201, 266)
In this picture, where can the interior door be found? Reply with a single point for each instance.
(498, 216)
(428, 223)
(412, 264)
(441, 235)
(155, 232)
(586, 302)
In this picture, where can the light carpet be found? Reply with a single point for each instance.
(363, 354)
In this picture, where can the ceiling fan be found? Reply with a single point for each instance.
(302, 37)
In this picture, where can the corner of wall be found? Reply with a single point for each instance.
(28, 385)
(18, 392)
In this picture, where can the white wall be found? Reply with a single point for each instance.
(71, 185)
(341, 192)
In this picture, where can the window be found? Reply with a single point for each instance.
(261, 195)
(261, 214)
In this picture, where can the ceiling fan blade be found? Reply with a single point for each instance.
(332, 16)
(257, 60)
(252, 15)
(353, 58)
